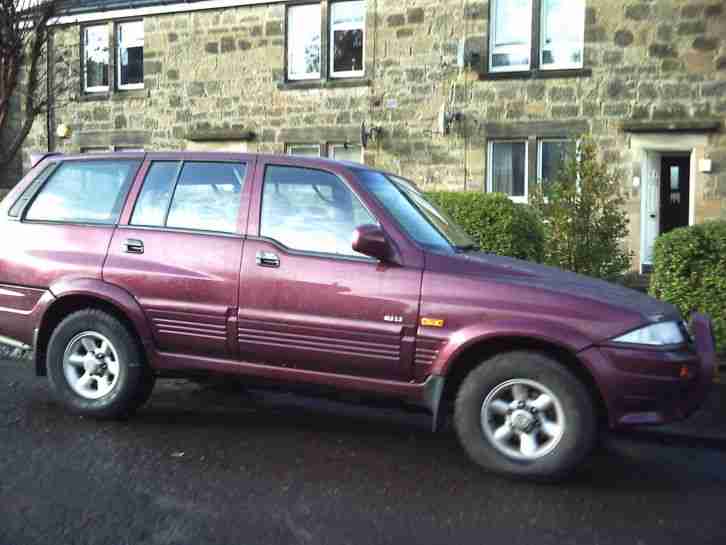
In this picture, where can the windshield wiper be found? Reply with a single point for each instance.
(467, 248)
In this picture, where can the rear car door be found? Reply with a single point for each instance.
(308, 300)
(59, 226)
(178, 251)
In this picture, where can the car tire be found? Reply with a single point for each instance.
(96, 366)
(523, 414)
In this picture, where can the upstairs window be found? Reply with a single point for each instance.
(536, 35)
(303, 42)
(316, 52)
(130, 55)
(511, 32)
(96, 59)
(562, 34)
(347, 29)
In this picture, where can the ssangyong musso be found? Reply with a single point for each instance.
(118, 269)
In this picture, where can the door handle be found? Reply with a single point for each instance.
(134, 246)
(652, 216)
(268, 259)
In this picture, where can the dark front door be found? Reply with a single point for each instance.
(307, 300)
(674, 192)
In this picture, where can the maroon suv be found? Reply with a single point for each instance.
(118, 269)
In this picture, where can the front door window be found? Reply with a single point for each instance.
(674, 193)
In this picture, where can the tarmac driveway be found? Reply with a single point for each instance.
(199, 466)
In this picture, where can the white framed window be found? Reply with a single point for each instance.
(96, 58)
(510, 44)
(562, 34)
(305, 150)
(303, 41)
(130, 55)
(507, 169)
(551, 156)
(346, 152)
(347, 39)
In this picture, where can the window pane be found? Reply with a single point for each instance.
(350, 152)
(152, 204)
(310, 210)
(347, 21)
(553, 154)
(508, 164)
(303, 41)
(96, 57)
(207, 197)
(306, 150)
(406, 205)
(563, 33)
(84, 191)
(131, 53)
(511, 34)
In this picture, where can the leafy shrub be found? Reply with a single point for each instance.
(494, 222)
(584, 216)
(689, 270)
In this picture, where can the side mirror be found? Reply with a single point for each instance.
(370, 240)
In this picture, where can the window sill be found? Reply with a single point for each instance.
(337, 83)
(115, 96)
(537, 74)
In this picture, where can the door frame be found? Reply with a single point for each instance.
(649, 147)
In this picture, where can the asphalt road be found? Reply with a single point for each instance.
(197, 466)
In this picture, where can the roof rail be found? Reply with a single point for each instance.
(36, 158)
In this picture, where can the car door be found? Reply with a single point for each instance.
(178, 251)
(308, 300)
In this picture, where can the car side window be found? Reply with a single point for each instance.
(84, 192)
(310, 210)
(202, 196)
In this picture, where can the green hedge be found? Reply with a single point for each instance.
(689, 270)
(496, 224)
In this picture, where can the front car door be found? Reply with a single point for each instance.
(308, 300)
(178, 250)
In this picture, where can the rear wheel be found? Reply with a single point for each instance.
(523, 414)
(96, 366)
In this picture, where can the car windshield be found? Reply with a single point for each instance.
(422, 220)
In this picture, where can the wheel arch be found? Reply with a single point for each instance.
(478, 351)
(90, 293)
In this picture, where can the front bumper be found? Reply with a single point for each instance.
(652, 385)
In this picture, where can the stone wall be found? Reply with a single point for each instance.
(650, 61)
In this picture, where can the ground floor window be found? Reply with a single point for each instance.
(339, 151)
(306, 150)
(510, 170)
(551, 156)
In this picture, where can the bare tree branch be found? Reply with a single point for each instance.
(24, 69)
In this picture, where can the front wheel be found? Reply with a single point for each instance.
(96, 367)
(523, 414)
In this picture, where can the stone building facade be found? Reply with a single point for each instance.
(467, 95)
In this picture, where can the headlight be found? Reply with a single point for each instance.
(662, 333)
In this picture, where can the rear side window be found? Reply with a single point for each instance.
(201, 196)
(84, 192)
(15, 210)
